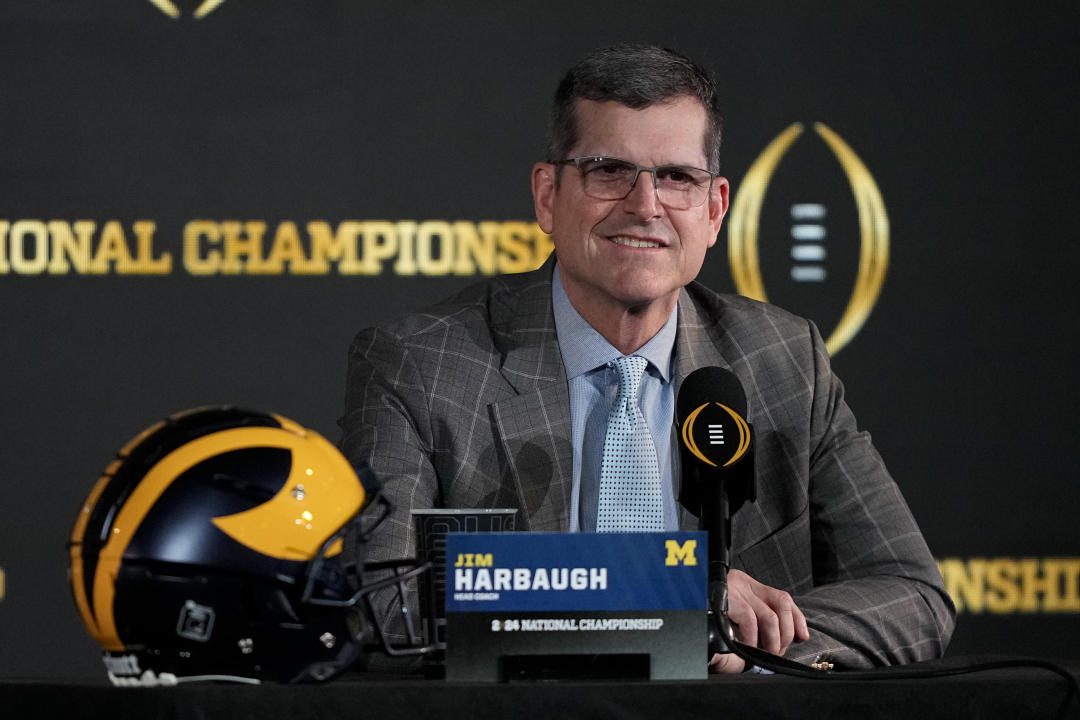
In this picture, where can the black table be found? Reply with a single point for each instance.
(1002, 693)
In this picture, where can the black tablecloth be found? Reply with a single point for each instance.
(1003, 693)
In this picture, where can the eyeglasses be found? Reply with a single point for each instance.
(677, 186)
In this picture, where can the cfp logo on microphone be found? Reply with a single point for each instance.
(705, 428)
(810, 232)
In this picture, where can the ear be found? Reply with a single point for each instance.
(543, 190)
(718, 206)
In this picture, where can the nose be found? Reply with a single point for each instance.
(643, 200)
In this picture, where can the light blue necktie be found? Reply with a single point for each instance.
(630, 496)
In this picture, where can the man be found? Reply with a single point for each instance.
(496, 397)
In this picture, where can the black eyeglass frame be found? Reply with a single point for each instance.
(578, 162)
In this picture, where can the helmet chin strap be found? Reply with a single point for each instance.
(123, 671)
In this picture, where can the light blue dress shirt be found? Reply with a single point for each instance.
(593, 388)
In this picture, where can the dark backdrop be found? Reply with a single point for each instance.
(963, 113)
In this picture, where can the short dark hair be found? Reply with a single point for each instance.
(637, 76)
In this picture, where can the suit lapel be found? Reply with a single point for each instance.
(701, 341)
(698, 341)
(533, 426)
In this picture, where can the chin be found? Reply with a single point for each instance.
(643, 298)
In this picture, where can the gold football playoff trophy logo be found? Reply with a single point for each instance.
(873, 223)
(722, 430)
(169, 8)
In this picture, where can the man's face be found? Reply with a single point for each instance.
(630, 253)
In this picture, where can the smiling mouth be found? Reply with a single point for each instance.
(633, 242)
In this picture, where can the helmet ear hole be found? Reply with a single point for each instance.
(270, 607)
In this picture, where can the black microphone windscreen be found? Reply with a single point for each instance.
(710, 384)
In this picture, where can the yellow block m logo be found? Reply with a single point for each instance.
(680, 554)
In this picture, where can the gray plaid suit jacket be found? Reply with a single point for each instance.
(466, 405)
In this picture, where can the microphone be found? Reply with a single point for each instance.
(716, 451)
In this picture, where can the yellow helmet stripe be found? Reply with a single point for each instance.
(154, 483)
(91, 500)
(134, 442)
(292, 425)
(295, 523)
(78, 587)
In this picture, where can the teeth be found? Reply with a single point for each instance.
(634, 242)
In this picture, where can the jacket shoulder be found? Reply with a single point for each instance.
(482, 312)
(746, 320)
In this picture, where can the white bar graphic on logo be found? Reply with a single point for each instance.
(808, 248)
(808, 273)
(807, 253)
(808, 232)
(807, 211)
(716, 434)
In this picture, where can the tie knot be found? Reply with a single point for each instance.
(630, 370)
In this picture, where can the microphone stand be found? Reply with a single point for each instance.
(716, 493)
(716, 516)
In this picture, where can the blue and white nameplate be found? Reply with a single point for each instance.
(513, 599)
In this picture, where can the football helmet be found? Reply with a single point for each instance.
(227, 544)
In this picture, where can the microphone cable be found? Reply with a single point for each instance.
(962, 666)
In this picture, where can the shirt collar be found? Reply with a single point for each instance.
(584, 349)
